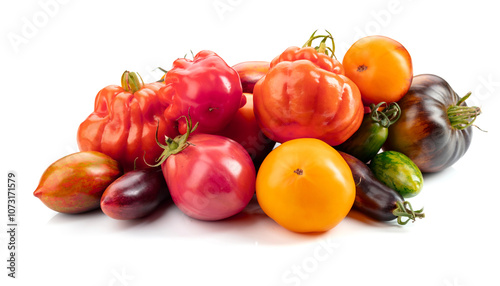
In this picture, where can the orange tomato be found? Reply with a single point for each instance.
(304, 95)
(305, 186)
(381, 68)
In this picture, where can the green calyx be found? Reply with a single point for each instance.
(175, 145)
(405, 210)
(131, 82)
(461, 116)
(387, 116)
(322, 47)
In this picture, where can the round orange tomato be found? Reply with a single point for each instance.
(381, 68)
(305, 186)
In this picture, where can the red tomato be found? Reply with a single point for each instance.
(206, 88)
(381, 68)
(211, 177)
(124, 122)
(245, 130)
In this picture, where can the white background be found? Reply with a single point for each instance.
(56, 56)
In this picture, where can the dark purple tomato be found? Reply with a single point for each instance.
(134, 195)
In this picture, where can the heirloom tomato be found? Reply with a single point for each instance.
(305, 186)
(435, 128)
(305, 94)
(377, 200)
(135, 194)
(250, 72)
(124, 122)
(381, 68)
(398, 172)
(367, 141)
(76, 182)
(210, 177)
(206, 88)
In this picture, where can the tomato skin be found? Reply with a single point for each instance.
(124, 122)
(398, 172)
(76, 182)
(250, 72)
(381, 68)
(134, 195)
(206, 88)
(310, 54)
(297, 99)
(305, 185)
(245, 130)
(373, 198)
(367, 141)
(424, 132)
(377, 200)
(213, 178)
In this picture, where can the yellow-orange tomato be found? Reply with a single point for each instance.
(305, 186)
(381, 68)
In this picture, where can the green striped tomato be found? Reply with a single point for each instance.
(398, 172)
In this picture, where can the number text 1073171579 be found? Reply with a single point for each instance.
(11, 224)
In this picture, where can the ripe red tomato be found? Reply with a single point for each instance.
(124, 122)
(206, 88)
(381, 68)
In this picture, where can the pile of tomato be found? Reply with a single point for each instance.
(311, 137)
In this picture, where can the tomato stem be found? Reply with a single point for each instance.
(173, 146)
(162, 79)
(386, 117)
(462, 116)
(322, 47)
(405, 210)
(162, 69)
(131, 82)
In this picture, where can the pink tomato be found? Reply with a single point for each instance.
(210, 177)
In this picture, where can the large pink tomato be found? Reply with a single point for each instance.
(210, 177)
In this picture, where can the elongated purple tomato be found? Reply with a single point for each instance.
(134, 195)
